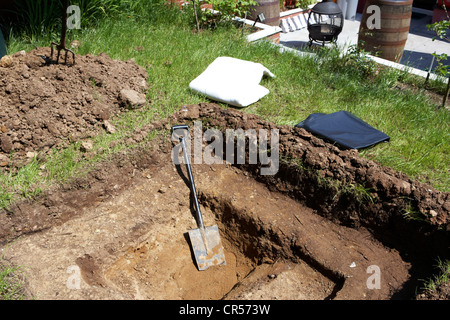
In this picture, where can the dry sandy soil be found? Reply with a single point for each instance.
(121, 231)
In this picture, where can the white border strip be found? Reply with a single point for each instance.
(266, 31)
(411, 70)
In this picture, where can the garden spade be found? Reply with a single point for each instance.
(205, 241)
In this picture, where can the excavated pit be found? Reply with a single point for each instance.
(292, 235)
(275, 247)
(163, 267)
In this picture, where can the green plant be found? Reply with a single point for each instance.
(444, 70)
(355, 190)
(354, 61)
(304, 3)
(410, 213)
(223, 11)
(357, 57)
(441, 278)
(441, 28)
(11, 281)
(37, 15)
(361, 194)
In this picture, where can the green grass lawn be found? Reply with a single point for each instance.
(174, 54)
(11, 282)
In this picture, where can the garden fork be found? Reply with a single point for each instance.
(62, 44)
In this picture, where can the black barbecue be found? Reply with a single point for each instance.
(325, 22)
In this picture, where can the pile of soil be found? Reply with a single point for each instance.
(46, 105)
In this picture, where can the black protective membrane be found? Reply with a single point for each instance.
(343, 128)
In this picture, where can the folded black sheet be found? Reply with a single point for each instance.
(343, 128)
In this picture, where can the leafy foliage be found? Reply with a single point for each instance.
(38, 16)
(304, 3)
(224, 11)
(11, 281)
(441, 28)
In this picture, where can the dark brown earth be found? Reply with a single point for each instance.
(316, 226)
(45, 106)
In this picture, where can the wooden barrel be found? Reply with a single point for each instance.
(387, 38)
(271, 10)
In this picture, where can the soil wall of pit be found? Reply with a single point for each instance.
(341, 185)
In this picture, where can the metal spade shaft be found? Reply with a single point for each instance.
(206, 244)
(200, 223)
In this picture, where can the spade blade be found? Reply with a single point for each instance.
(212, 256)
